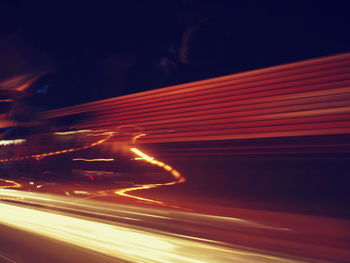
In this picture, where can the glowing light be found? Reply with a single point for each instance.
(71, 132)
(93, 160)
(81, 192)
(177, 178)
(30, 81)
(137, 137)
(43, 155)
(9, 142)
(125, 242)
(13, 184)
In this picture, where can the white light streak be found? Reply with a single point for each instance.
(125, 242)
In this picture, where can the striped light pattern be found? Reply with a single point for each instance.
(298, 99)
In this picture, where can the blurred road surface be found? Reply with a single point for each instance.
(38, 227)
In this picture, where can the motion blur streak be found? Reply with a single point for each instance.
(12, 184)
(9, 142)
(43, 155)
(29, 80)
(123, 242)
(178, 178)
(299, 99)
(71, 132)
(93, 160)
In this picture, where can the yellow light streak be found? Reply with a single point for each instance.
(138, 136)
(13, 184)
(71, 132)
(9, 142)
(126, 242)
(177, 178)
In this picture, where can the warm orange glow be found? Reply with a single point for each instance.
(137, 137)
(71, 132)
(44, 155)
(93, 160)
(177, 178)
(12, 184)
(299, 99)
(124, 242)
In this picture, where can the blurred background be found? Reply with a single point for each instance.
(187, 121)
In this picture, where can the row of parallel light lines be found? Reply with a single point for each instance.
(298, 99)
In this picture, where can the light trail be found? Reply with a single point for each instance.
(44, 155)
(71, 132)
(10, 142)
(29, 80)
(93, 160)
(127, 242)
(137, 137)
(125, 192)
(299, 99)
(12, 184)
(194, 236)
(177, 178)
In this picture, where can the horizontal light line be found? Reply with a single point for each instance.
(323, 63)
(93, 160)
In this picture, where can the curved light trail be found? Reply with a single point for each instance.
(43, 155)
(125, 192)
(177, 178)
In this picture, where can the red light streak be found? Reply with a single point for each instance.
(298, 99)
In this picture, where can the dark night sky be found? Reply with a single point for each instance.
(101, 49)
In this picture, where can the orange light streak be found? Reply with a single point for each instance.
(13, 184)
(137, 137)
(311, 95)
(30, 81)
(43, 155)
(177, 178)
(93, 160)
(125, 242)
